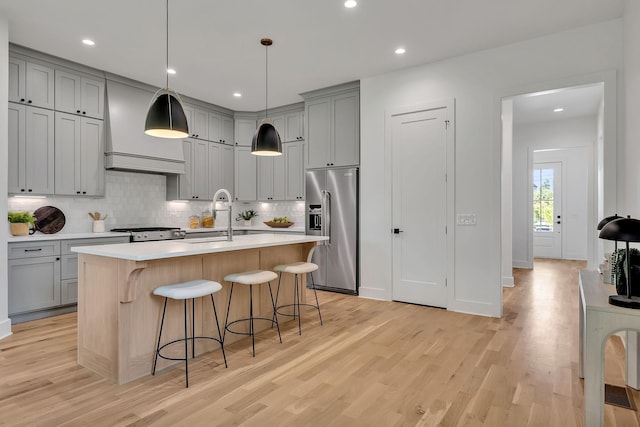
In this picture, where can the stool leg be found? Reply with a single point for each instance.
(296, 303)
(186, 345)
(155, 361)
(313, 285)
(251, 331)
(193, 328)
(215, 314)
(274, 310)
(226, 320)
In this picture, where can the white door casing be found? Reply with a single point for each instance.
(420, 208)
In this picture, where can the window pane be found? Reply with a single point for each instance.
(543, 200)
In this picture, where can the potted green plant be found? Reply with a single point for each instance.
(246, 216)
(20, 222)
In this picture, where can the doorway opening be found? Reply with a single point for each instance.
(571, 122)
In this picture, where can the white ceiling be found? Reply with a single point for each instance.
(214, 45)
(577, 101)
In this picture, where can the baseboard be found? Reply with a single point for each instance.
(508, 282)
(521, 264)
(5, 328)
(373, 293)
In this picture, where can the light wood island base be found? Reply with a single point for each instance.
(119, 317)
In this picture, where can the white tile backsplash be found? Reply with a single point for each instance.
(139, 199)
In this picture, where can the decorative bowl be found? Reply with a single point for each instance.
(279, 224)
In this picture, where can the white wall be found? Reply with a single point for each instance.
(5, 323)
(474, 81)
(629, 155)
(577, 137)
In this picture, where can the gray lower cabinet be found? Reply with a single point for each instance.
(34, 276)
(43, 276)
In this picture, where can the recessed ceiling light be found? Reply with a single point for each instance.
(88, 42)
(237, 94)
(558, 110)
(171, 71)
(400, 50)
(350, 3)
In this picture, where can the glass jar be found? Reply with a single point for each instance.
(207, 219)
(194, 221)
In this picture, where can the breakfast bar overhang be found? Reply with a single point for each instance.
(119, 317)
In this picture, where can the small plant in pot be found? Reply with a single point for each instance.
(246, 216)
(20, 222)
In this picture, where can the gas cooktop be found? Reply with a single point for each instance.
(146, 234)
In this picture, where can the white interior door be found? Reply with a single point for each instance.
(419, 141)
(547, 210)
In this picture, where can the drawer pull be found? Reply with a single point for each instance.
(33, 250)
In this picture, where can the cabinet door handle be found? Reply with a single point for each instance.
(33, 250)
(21, 99)
(29, 101)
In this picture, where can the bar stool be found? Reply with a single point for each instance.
(184, 291)
(297, 268)
(254, 277)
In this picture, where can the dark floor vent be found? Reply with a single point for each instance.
(618, 396)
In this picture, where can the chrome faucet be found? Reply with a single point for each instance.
(214, 210)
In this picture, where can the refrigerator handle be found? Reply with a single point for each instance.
(326, 216)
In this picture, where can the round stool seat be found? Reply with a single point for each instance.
(188, 290)
(296, 267)
(253, 277)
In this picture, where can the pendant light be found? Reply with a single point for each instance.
(165, 117)
(266, 141)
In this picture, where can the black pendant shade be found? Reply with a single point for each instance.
(166, 118)
(607, 220)
(266, 141)
(622, 229)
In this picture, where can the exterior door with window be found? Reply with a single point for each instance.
(547, 210)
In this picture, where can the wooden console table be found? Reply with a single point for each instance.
(598, 320)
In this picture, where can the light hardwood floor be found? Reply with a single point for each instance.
(373, 363)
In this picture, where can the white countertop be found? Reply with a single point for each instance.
(38, 236)
(252, 228)
(143, 251)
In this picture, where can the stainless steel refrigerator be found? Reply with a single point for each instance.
(332, 210)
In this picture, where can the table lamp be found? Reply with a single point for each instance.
(623, 230)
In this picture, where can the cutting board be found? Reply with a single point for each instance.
(49, 219)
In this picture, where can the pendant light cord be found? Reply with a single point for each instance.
(166, 71)
(266, 82)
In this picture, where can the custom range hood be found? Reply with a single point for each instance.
(127, 146)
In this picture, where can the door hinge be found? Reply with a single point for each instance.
(446, 124)
(446, 283)
(446, 230)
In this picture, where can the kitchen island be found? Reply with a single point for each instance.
(119, 317)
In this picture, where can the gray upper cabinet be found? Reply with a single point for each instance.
(332, 125)
(194, 183)
(220, 169)
(81, 95)
(220, 129)
(294, 161)
(198, 121)
(31, 83)
(31, 150)
(271, 177)
(245, 175)
(293, 127)
(244, 130)
(79, 155)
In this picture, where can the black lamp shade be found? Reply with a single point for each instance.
(166, 118)
(266, 141)
(607, 220)
(622, 229)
